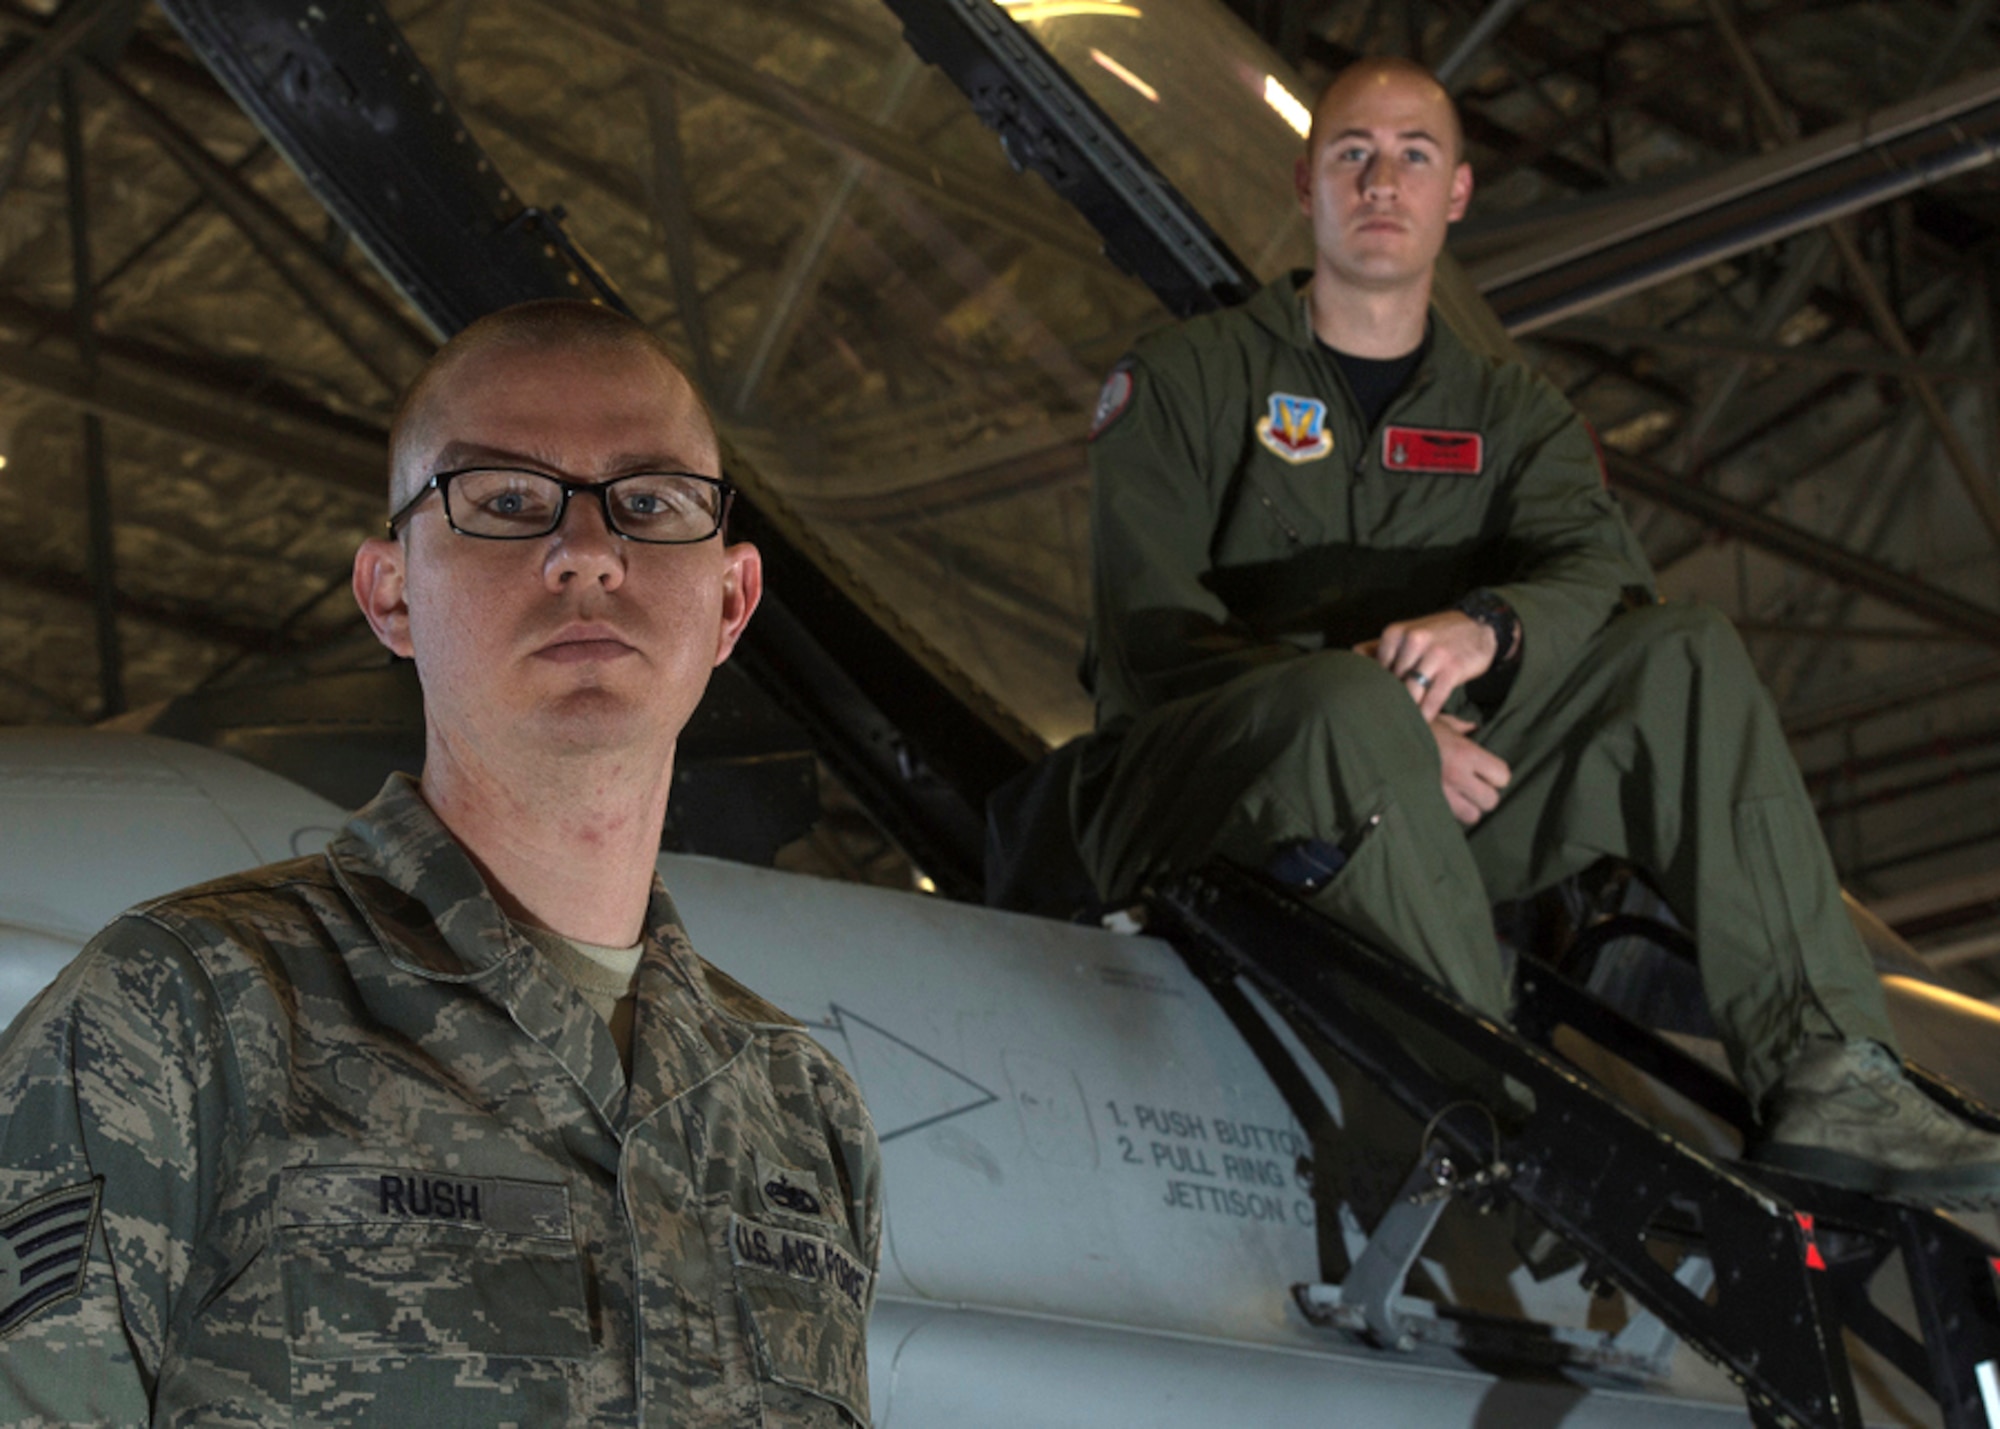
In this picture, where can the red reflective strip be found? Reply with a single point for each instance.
(1814, 1260)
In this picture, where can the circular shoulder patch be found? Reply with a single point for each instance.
(1113, 400)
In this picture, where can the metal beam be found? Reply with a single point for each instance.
(1931, 684)
(151, 610)
(672, 210)
(1964, 25)
(1717, 344)
(256, 154)
(335, 451)
(283, 637)
(1655, 94)
(1914, 905)
(967, 268)
(1027, 615)
(750, 255)
(1774, 418)
(1778, 304)
(27, 123)
(53, 706)
(1978, 483)
(1868, 517)
(1939, 746)
(660, 44)
(291, 252)
(1767, 426)
(70, 30)
(1748, 205)
(1850, 634)
(1616, 364)
(1480, 128)
(100, 534)
(1914, 788)
(806, 263)
(1802, 547)
(1919, 854)
(1031, 472)
(1496, 14)
(616, 183)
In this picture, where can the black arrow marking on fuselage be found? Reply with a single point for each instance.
(986, 1096)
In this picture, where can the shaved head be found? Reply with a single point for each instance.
(1379, 70)
(552, 328)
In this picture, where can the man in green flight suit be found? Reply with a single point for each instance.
(450, 1124)
(1366, 618)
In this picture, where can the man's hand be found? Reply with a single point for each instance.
(1434, 655)
(1473, 774)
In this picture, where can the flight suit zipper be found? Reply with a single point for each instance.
(1413, 389)
(1419, 382)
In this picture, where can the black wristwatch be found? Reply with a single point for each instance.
(1488, 608)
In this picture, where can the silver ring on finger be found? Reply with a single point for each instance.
(1419, 679)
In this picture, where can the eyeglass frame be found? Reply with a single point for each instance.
(439, 480)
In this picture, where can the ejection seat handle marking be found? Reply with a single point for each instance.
(1987, 1372)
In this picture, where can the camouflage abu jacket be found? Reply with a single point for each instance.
(327, 1143)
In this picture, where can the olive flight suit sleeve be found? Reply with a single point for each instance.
(110, 1092)
(1161, 469)
(1569, 552)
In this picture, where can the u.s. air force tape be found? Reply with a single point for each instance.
(812, 1259)
(45, 1250)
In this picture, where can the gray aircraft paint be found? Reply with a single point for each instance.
(1094, 1208)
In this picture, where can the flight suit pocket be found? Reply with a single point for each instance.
(804, 1302)
(444, 1297)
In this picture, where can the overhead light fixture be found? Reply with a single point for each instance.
(1027, 12)
(1125, 74)
(1288, 106)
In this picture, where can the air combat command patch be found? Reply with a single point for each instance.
(1295, 428)
(44, 1251)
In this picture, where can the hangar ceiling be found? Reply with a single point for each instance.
(904, 337)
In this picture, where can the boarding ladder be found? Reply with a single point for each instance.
(1757, 1270)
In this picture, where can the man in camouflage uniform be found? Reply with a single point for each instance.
(450, 1125)
(1366, 618)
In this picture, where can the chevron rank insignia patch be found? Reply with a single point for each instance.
(44, 1251)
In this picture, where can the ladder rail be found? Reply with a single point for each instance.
(1580, 1160)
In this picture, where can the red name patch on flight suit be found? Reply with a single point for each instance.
(1431, 449)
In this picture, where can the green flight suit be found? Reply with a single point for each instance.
(330, 1143)
(1247, 531)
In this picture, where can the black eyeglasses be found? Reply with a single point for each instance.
(498, 503)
